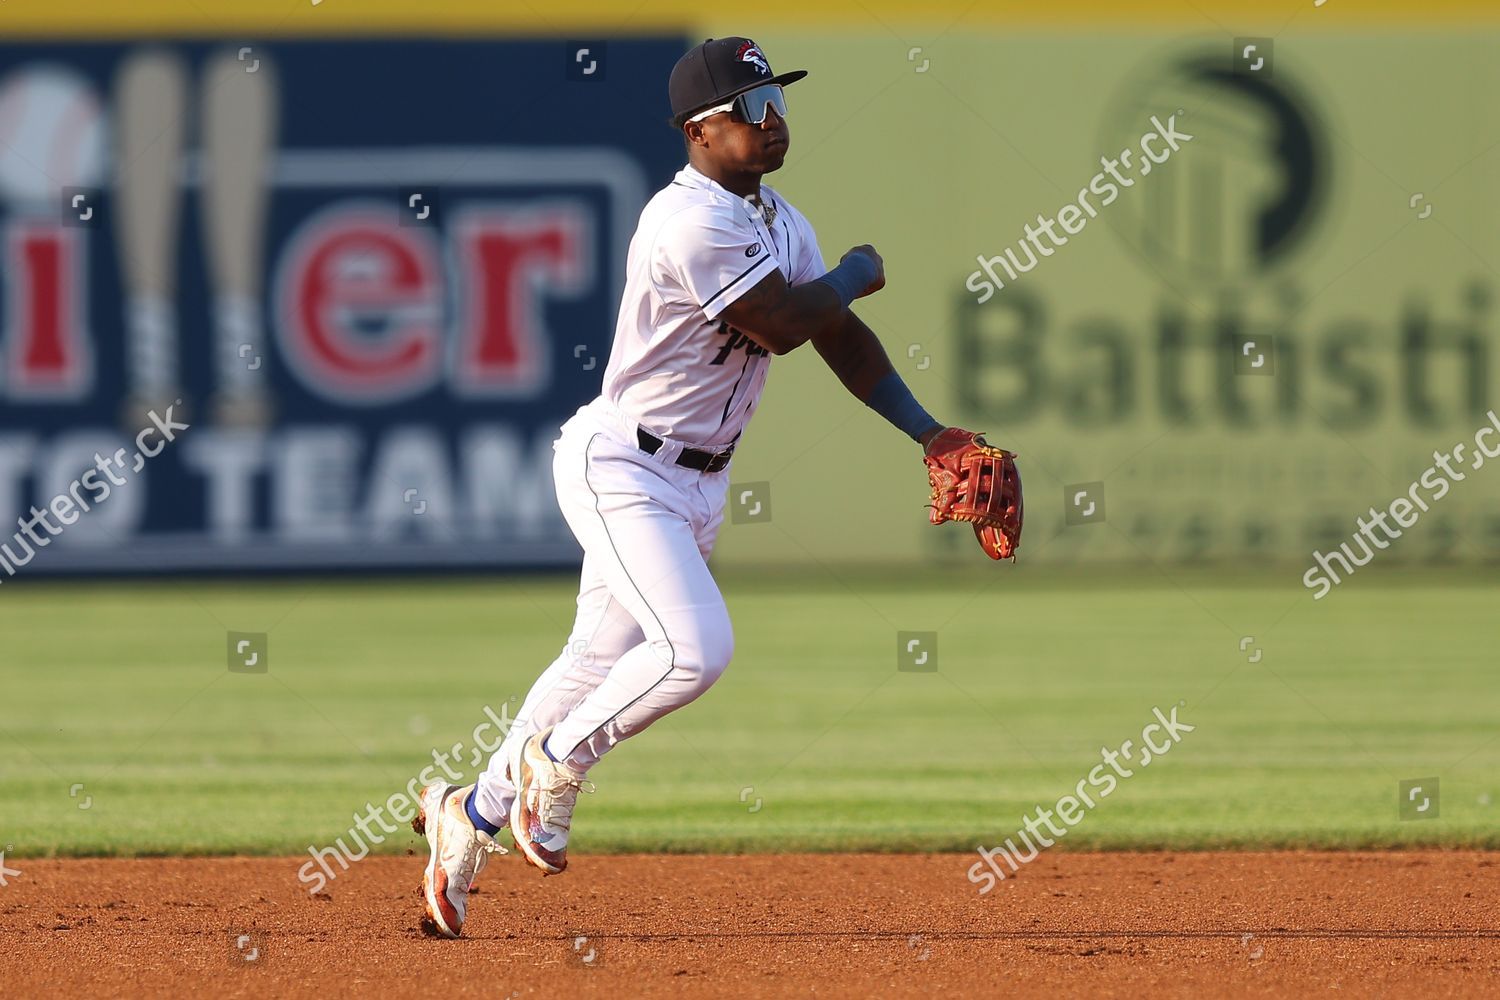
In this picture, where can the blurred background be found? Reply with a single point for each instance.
(371, 254)
(378, 259)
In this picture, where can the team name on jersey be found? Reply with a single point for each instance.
(736, 341)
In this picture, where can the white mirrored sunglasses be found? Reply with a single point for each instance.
(752, 105)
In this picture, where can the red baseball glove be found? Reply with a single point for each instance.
(976, 482)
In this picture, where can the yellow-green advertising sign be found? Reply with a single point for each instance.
(1222, 298)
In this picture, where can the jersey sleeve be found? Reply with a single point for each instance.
(808, 263)
(712, 256)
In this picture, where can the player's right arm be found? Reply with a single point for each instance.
(782, 317)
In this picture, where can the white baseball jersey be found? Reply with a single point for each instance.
(675, 368)
(652, 631)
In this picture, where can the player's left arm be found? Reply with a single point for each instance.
(854, 353)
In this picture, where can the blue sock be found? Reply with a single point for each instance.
(480, 823)
(548, 751)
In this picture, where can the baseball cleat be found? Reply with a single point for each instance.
(459, 853)
(542, 814)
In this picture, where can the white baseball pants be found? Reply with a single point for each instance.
(652, 632)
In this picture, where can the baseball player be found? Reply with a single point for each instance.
(722, 273)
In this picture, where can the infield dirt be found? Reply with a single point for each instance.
(1410, 923)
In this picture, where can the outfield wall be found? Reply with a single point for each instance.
(1338, 215)
(1331, 218)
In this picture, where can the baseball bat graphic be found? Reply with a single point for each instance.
(238, 116)
(150, 96)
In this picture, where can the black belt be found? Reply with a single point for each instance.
(688, 458)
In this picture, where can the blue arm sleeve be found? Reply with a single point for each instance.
(893, 400)
(851, 277)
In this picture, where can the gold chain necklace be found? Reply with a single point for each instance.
(767, 209)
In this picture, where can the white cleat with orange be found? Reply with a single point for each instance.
(459, 853)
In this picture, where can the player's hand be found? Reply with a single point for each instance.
(879, 281)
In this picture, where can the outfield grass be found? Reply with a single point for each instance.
(123, 688)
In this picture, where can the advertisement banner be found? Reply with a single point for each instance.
(1209, 348)
(371, 278)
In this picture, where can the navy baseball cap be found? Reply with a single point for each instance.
(717, 70)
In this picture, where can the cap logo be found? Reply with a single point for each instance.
(750, 52)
